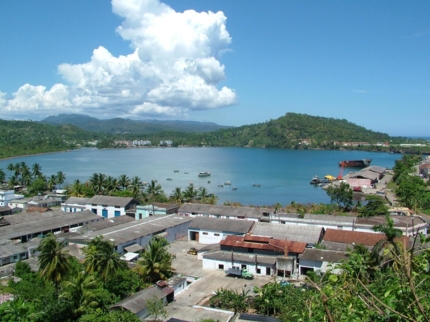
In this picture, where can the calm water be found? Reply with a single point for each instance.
(284, 175)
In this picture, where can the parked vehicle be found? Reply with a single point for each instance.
(243, 273)
(192, 251)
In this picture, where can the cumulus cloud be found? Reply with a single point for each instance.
(173, 69)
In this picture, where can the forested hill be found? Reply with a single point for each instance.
(27, 137)
(126, 126)
(290, 131)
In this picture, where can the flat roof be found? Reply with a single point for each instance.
(221, 224)
(38, 222)
(110, 200)
(125, 232)
(300, 233)
(241, 257)
(246, 212)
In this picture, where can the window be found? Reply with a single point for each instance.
(205, 233)
(220, 266)
(216, 234)
(243, 266)
(258, 270)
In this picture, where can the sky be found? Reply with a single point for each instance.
(229, 62)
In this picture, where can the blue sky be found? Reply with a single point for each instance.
(230, 62)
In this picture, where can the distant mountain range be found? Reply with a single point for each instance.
(127, 126)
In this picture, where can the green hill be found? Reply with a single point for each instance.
(126, 126)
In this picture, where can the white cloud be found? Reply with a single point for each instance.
(173, 70)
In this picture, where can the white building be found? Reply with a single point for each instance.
(207, 230)
(320, 260)
(6, 196)
(74, 204)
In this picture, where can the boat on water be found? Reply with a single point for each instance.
(169, 179)
(355, 163)
(256, 185)
(175, 170)
(227, 183)
(204, 174)
(315, 180)
(234, 188)
(220, 185)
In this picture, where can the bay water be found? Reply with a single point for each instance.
(283, 175)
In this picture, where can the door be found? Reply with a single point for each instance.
(197, 237)
(117, 213)
(105, 213)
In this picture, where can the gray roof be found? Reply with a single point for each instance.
(329, 245)
(329, 219)
(76, 201)
(247, 212)
(240, 257)
(35, 222)
(123, 233)
(137, 302)
(7, 248)
(377, 168)
(219, 224)
(323, 255)
(307, 234)
(133, 248)
(110, 201)
(365, 173)
(109, 222)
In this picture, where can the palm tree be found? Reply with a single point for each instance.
(10, 168)
(135, 186)
(97, 182)
(123, 181)
(202, 194)
(51, 182)
(102, 259)
(2, 175)
(155, 263)
(61, 177)
(154, 190)
(111, 185)
(36, 169)
(54, 261)
(190, 193)
(77, 189)
(79, 292)
(176, 195)
(388, 245)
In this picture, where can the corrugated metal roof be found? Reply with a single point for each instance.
(299, 233)
(126, 232)
(137, 302)
(76, 201)
(110, 200)
(330, 218)
(323, 255)
(349, 237)
(133, 248)
(246, 212)
(39, 222)
(102, 224)
(220, 224)
(7, 248)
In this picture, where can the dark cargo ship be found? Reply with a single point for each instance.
(355, 163)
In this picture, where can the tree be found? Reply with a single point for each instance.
(54, 261)
(61, 177)
(135, 186)
(156, 308)
(123, 181)
(37, 186)
(2, 175)
(102, 259)
(36, 169)
(156, 262)
(342, 195)
(52, 181)
(176, 195)
(375, 206)
(96, 182)
(153, 190)
(189, 194)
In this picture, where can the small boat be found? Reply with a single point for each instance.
(315, 180)
(227, 183)
(234, 188)
(175, 170)
(170, 179)
(186, 172)
(256, 185)
(209, 181)
(220, 185)
(204, 174)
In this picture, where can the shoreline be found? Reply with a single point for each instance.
(29, 155)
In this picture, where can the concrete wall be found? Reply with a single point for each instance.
(215, 264)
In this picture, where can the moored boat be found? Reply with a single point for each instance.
(204, 174)
(355, 163)
(227, 183)
(315, 180)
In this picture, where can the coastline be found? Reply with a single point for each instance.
(32, 154)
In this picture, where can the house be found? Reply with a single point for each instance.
(74, 204)
(225, 212)
(206, 230)
(38, 201)
(143, 211)
(6, 196)
(138, 302)
(259, 255)
(108, 206)
(320, 260)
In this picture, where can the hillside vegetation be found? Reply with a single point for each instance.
(26, 137)
(121, 126)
